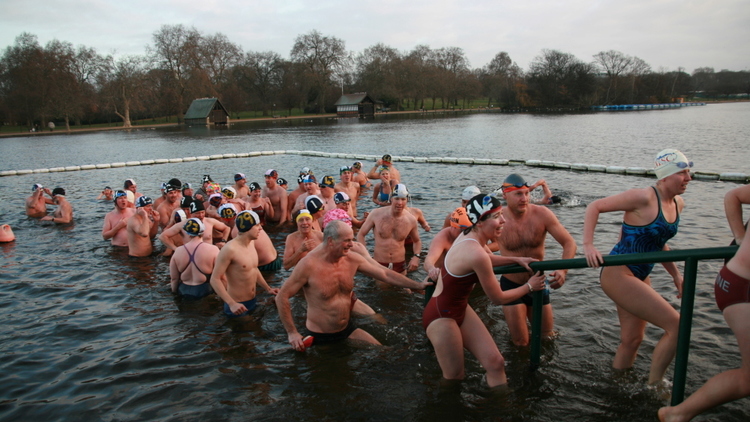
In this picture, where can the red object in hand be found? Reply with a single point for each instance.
(307, 341)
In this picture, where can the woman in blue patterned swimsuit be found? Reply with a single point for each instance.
(651, 218)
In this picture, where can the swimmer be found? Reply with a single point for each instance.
(216, 232)
(386, 162)
(468, 193)
(326, 277)
(130, 185)
(733, 201)
(6, 234)
(196, 258)
(381, 194)
(360, 177)
(311, 188)
(343, 202)
(172, 202)
(314, 205)
(651, 218)
(258, 204)
(202, 193)
(106, 194)
(36, 204)
(240, 186)
(391, 225)
(451, 324)
(116, 221)
(63, 214)
(268, 259)
(732, 292)
(140, 226)
(236, 275)
(548, 198)
(293, 195)
(525, 232)
(326, 192)
(348, 186)
(276, 193)
(302, 241)
(231, 197)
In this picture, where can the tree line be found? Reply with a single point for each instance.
(77, 85)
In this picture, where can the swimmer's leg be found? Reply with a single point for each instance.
(445, 336)
(726, 386)
(362, 335)
(637, 303)
(515, 317)
(480, 343)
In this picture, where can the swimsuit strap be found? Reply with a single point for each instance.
(192, 261)
(661, 213)
(445, 264)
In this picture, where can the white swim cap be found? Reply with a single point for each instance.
(669, 162)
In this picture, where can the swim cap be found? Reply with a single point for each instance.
(61, 191)
(305, 171)
(119, 193)
(383, 168)
(107, 188)
(481, 205)
(340, 197)
(302, 213)
(238, 177)
(131, 196)
(215, 199)
(36, 187)
(387, 158)
(328, 182)
(514, 182)
(227, 211)
(206, 178)
(281, 181)
(246, 220)
(163, 186)
(254, 186)
(470, 192)
(229, 192)
(142, 201)
(400, 191)
(186, 185)
(459, 219)
(313, 204)
(301, 178)
(179, 216)
(196, 206)
(175, 182)
(309, 179)
(357, 165)
(669, 162)
(271, 173)
(193, 227)
(344, 168)
(186, 201)
(337, 214)
(169, 188)
(129, 183)
(213, 187)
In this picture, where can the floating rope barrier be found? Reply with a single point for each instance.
(580, 167)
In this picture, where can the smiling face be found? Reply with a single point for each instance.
(492, 226)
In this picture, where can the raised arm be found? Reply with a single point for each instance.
(733, 201)
(291, 286)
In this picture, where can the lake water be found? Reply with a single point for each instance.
(91, 334)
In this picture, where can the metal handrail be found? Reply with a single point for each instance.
(691, 258)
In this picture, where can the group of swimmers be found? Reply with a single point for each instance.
(217, 243)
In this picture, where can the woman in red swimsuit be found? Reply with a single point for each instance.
(450, 322)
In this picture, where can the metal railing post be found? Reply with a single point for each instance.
(686, 325)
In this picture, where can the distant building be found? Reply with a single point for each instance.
(355, 105)
(206, 111)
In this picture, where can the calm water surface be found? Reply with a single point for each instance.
(91, 334)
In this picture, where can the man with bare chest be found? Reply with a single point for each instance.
(326, 276)
(116, 221)
(391, 226)
(277, 195)
(524, 234)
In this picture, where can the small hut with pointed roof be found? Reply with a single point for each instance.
(355, 105)
(207, 111)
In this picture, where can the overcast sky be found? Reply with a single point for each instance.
(667, 34)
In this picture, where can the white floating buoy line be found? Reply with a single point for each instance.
(579, 167)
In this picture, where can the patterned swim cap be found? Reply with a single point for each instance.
(246, 220)
(227, 211)
(229, 192)
(193, 227)
(481, 205)
(337, 214)
(459, 219)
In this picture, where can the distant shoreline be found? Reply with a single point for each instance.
(256, 119)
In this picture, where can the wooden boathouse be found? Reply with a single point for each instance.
(355, 105)
(207, 111)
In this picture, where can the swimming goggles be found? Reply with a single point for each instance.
(119, 193)
(684, 165)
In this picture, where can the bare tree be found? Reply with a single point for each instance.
(323, 57)
(123, 82)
